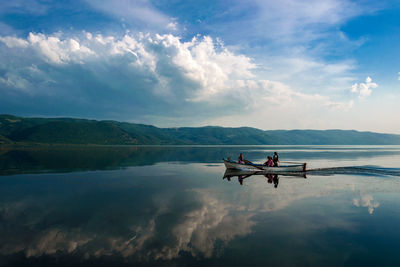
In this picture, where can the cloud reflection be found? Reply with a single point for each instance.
(202, 227)
(366, 201)
(196, 231)
(138, 220)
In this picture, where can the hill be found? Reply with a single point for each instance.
(19, 130)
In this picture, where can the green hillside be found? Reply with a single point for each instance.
(74, 133)
(220, 135)
(20, 130)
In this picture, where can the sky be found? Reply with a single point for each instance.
(288, 64)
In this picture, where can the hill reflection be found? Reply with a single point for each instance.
(39, 159)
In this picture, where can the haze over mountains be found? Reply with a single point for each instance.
(18, 130)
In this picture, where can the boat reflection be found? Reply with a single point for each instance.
(272, 178)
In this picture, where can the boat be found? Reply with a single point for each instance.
(285, 167)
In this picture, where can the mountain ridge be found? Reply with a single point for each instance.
(22, 130)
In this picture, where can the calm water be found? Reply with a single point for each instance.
(171, 206)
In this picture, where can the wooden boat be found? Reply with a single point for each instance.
(285, 167)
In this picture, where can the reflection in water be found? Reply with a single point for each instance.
(58, 158)
(271, 177)
(366, 201)
(355, 170)
(276, 180)
(93, 217)
(194, 231)
(183, 214)
(136, 220)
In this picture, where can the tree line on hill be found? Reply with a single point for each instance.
(19, 130)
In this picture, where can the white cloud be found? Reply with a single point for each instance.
(210, 67)
(294, 41)
(11, 42)
(58, 51)
(364, 89)
(200, 77)
(135, 11)
(290, 21)
(15, 81)
(173, 26)
(340, 105)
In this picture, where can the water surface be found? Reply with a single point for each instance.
(164, 206)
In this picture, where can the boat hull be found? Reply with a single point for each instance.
(257, 167)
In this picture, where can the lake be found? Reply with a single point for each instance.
(172, 206)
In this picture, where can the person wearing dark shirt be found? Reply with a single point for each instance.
(275, 159)
(242, 160)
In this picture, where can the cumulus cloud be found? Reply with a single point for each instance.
(364, 89)
(145, 74)
(12, 41)
(58, 51)
(202, 61)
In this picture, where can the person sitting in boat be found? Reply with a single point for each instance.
(275, 159)
(269, 162)
(240, 158)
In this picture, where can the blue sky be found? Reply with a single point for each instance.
(285, 64)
